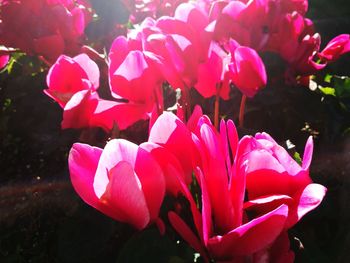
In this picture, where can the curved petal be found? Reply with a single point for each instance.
(169, 132)
(115, 151)
(305, 201)
(308, 151)
(250, 237)
(90, 68)
(152, 180)
(186, 233)
(83, 160)
(124, 196)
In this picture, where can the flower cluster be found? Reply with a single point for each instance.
(45, 28)
(242, 195)
(251, 190)
(208, 46)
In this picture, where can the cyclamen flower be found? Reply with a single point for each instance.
(122, 181)
(42, 27)
(213, 74)
(231, 228)
(274, 177)
(247, 69)
(70, 75)
(335, 48)
(133, 73)
(73, 83)
(4, 59)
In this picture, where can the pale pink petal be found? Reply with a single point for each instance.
(78, 111)
(115, 151)
(308, 151)
(90, 68)
(173, 134)
(306, 200)
(124, 196)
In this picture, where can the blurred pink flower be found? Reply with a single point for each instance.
(335, 48)
(4, 59)
(43, 27)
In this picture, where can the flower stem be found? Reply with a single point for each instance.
(216, 111)
(241, 111)
(159, 100)
(186, 103)
(46, 62)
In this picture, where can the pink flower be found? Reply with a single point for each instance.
(4, 59)
(42, 27)
(86, 109)
(171, 133)
(225, 232)
(335, 48)
(70, 75)
(247, 69)
(133, 73)
(230, 227)
(153, 8)
(122, 181)
(274, 178)
(302, 60)
(213, 77)
(179, 59)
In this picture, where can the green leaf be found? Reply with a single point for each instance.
(327, 91)
(341, 86)
(297, 158)
(328, 78)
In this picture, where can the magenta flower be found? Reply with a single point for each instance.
(335, 48)
(231, 228)
(42, 27)
(171, 133)
(133, 73)
(70, 75)
(274, 178)
(213, 77)
(4, 59)
(225, 233)
(122, 181)
(86, 109)
(247, 69)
